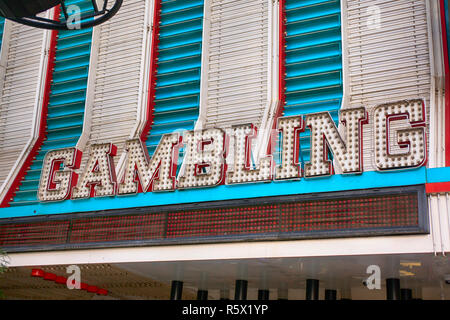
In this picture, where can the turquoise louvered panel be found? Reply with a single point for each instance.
(313, 61)
(2, 24)
(67, 101)
(178, 70)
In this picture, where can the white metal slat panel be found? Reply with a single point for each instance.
(116, 101)
(391, 61)
(439, 210)
(238, 63)
(386, 63)
(437, 98)
(19, 94)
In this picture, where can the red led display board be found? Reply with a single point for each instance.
(367, 212)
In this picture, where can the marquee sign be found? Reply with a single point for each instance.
(205, 161)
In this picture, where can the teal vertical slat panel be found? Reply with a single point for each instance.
(313, 61)
(66, 103)
(177, 90)
(2, 25)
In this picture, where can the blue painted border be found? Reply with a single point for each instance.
(438, 175)
(366, 180)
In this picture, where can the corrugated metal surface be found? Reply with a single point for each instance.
(178, 69)
(19, 94)
(388, 61)
(117, 76)
(238, 62)
(314, 80)
(67, 101)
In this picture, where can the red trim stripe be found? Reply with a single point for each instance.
(152, 77)
(437, 187)
(9, 196)
(447, 84)
(63, 280)
(281, 68)
(282, 58)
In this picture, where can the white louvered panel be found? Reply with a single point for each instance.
(117, 77)
(389, 63)
(19, 94)
(238, 64)
(439, 211)
(437, 99)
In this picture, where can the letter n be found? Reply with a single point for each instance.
(325, 137)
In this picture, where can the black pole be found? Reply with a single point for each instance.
(263, 294)
(202, 295)
(330, 294)
(393, 289)
(176, 290)
(240, 292)
(406, 294)
(312, 289)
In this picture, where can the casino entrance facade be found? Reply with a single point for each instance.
(228, 149)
